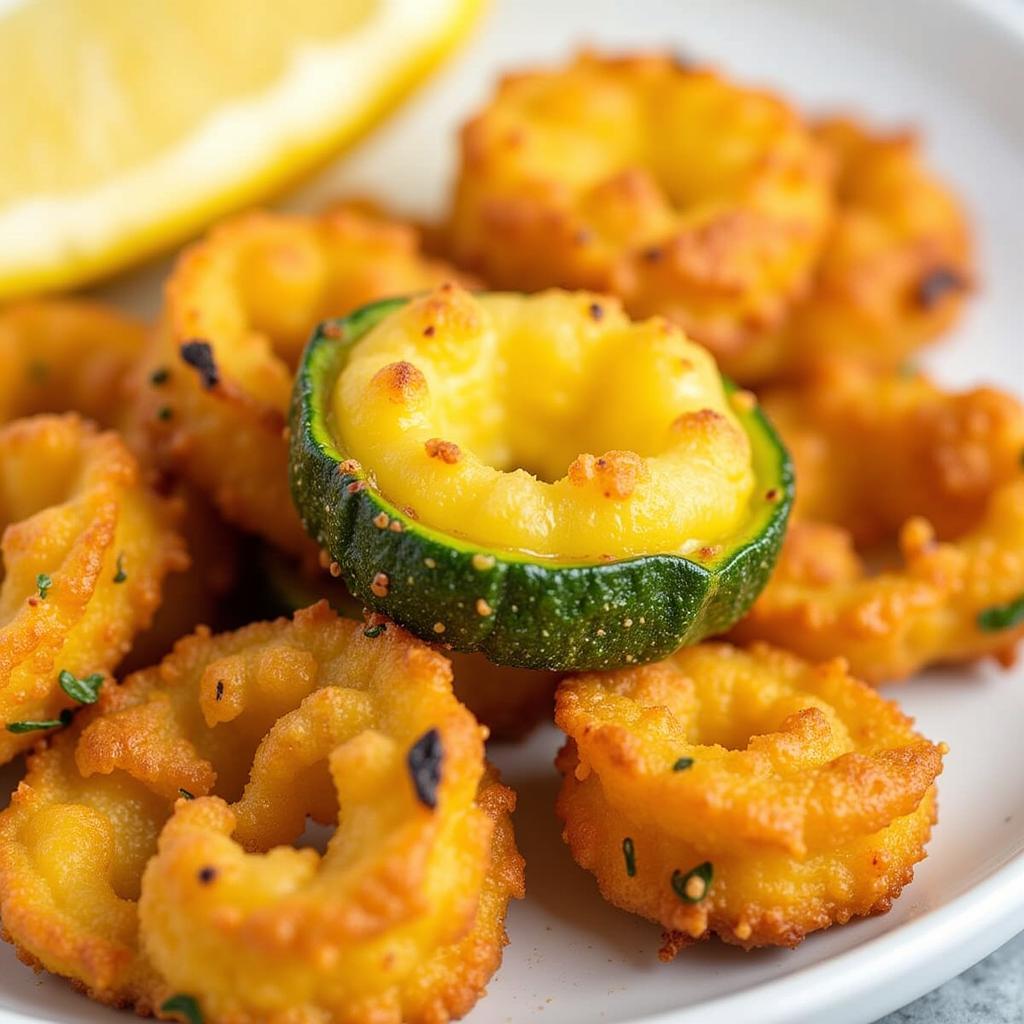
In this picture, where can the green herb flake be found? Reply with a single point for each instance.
(694, 885)
(85, 691)
(120, 576)
(372, 632)
(159, 376)
(682, 764)
(1002, 616)
(629, 855)
(41, 724)
(185, 1007)
(43, 584)
(186, 794)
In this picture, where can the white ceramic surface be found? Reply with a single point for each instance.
(956, 68)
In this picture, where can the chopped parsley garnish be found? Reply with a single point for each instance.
(185, 1007)
(186, 794)
(682, 764)
(85, 691)
(693, 886)
(43, 584)
(374, 631)
(39, 724)
(629, 854)
(424, 760)
(1002, 616)
(120, 576)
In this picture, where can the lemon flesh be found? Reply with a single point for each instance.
(125, 127)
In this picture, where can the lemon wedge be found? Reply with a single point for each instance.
(126, 126)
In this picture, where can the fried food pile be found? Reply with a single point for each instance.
(243, 804)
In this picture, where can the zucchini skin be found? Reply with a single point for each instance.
(537, 614)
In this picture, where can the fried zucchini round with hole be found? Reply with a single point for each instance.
(895, 271)
(153, 849)
(747, 794)
(64, 355)
(86, 546)
(213, 395)
(935, 475)
(668, 186)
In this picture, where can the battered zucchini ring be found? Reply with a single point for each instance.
(85, 548)
(935, 473)
(239, 306)
(441, 456)
(62, 355)
(894, 272)
(743, 793)
(670, 187)
(231, 743)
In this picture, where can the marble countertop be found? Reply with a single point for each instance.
(991, 992)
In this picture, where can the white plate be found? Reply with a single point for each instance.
(957, 69)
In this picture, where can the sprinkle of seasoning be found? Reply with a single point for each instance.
(424, 760)
(43, 584)
(218, 690)
(199, 355)
(40, 724)
(1002, 616)
(120, 576)
(185, 1007)
(372, 632)
(164, 413)
(85, 691)
(693, 886)
(206, 875)
(682, 764)
(936, 284)
(629, 854)
(186, 794)
(159, 376)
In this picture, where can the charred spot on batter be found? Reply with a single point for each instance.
(936, 284)
(199, 355)
(424, 760)
(206, 875)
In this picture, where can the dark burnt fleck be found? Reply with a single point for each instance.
(165, 412)
(596, 310)
(425, 757)
(206, 875)
(199, 355)
(937, 284)
(652, 254)
(159, 376)
(428, 331)
(218, 692)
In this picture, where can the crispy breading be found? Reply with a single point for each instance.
(238, 309)
(86, 546)
(149, 850)
(891, 461)
(667, 185)
(747, 794)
